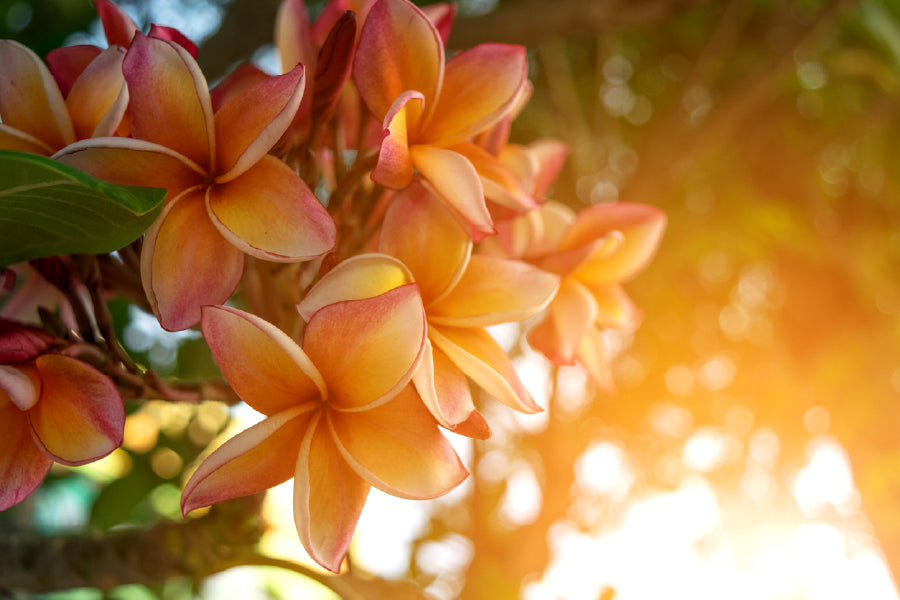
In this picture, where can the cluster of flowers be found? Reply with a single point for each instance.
(391, 270)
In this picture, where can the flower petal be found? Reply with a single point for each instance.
(31, 100)
(358, 277)
(328, 498)
(170, 102)
(126, 161)
(98, 92)
(399, 49)
(173, 35)
(263, 365)
(79, 417)
(642, 227)
(443, 388)
(186, 263)
(398, 448)
(420, 231)
(117, 25)
(293, 37)
(23, 465)
(250, 123)
(367, 350)
(270, 213)
(442, 15)
(500, 186)
(615, 307)
(592, 355)
(480, 86)
(570, 316)
(550, 155)
(395, 167)
(20, 385)
(254, 460)
(453, 178)
(482, 359)
(68, 62)
(494, 290)
(13, 139)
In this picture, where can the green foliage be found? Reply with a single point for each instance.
(49, 208)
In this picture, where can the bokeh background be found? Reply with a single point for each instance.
(751, 448)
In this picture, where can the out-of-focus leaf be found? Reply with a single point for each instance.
(49, 208)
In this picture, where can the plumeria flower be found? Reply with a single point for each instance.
(341, 416)
(53, 408)
(431, 110)
(35, 116)
(462, 294)
(226, 197)
(593, 253)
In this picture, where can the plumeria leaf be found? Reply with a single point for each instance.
(49, 208)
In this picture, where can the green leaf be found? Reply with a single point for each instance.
(49, 208)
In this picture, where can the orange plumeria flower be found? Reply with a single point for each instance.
(430, 110)
(593, 252)
(341, 415)
(227, 196)
(462, 295)
(35, 116)
(53, 408)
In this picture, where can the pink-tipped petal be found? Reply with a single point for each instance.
(485, 362)
(399, 49)
(263, 365)
(270, 213)
(441, 15)
(480, 87)
(173, 35)
(367, 350)
(328, 498)
(420, 231)
(242, 77)
(453, 178)
(186, 263)
(23, 465)
(95, 93)
(395, 167)
(570, 316)
(642, 227)
(68, 62)
(117, 25)
(358, 277)
(443, 388)
(494, 290)
(31, 100)
(398, 448)
(170, 102)
(254, 460)
(250, 123)
(127, 161)
(79, 417)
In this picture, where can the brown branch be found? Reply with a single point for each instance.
(195, 548)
